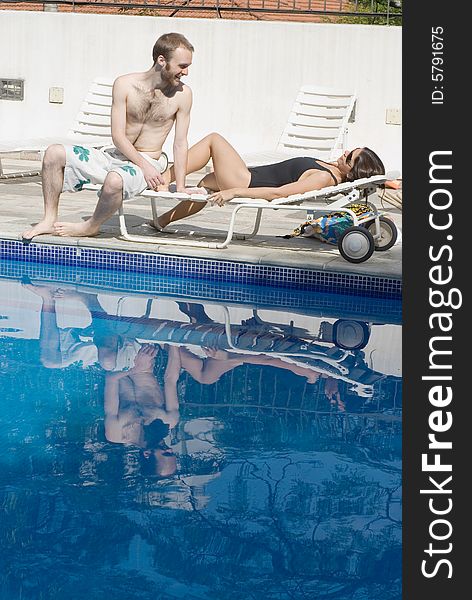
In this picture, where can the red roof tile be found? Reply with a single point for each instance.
(211, 12)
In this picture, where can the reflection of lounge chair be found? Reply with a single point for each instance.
(91, 127)
(344, 333)
(348, 366)
(356, 245)
(361, 377)
(316, 126)
(330, 360)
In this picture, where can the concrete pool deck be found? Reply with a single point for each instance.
(21, 205)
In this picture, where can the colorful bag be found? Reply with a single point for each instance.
(329, 228)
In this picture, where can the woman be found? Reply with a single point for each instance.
(231, 178)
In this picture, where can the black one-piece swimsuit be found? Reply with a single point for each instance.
(287, 171)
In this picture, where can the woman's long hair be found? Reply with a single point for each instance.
(367, 164)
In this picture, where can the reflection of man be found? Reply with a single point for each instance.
(145, 106)
(60, 348)
(139, 413)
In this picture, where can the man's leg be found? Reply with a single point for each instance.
(49, 337)
(110, 200)
(52, 174)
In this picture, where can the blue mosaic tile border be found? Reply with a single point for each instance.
(203, 269)
(384, 310)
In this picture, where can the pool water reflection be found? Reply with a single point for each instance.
(159, 447)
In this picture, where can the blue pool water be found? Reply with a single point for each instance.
(200, 442)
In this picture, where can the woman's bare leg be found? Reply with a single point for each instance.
(229, 171)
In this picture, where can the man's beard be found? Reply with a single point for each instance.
(168, 78)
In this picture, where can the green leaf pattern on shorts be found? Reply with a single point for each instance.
(129, 169)
(82, 153)
(78, 187)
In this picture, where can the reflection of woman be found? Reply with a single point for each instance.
(231, 177)
(209, 370)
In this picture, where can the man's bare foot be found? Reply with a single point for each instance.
(71, 294)
(43, 291)
(75, 229)
(40, 228)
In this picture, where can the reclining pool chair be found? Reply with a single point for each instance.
(91, 127)
(368, 233)
(316, 126)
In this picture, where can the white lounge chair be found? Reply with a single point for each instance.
(316, 126)
(91, 127)
(368, 233)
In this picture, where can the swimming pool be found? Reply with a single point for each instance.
(174, 439)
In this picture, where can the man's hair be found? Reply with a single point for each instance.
(168, 43)
(154, 433)
(367, 164)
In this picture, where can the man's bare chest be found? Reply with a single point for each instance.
(150, 107)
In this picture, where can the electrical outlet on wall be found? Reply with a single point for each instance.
(56, 95)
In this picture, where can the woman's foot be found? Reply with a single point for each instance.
(167, 176)
(202, 191)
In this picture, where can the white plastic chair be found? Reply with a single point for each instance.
(316, 126)
(91, 127)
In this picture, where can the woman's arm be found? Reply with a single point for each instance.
(317, 181)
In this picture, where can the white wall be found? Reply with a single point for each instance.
(245, 75)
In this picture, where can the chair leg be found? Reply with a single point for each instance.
(123, 228)
(257, 224)
(227, 236)
(154, 213)
(163, 241)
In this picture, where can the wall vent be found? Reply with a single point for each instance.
(12, 89)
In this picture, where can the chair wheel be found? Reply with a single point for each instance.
(356, 244)
(388, 234)
(350, 335)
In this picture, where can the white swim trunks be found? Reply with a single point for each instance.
(89, 165)
(126, 353)
(76, 349)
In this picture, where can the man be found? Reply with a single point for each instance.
(144, 109)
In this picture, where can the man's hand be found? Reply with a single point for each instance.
(145, 359)
(153, 178)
